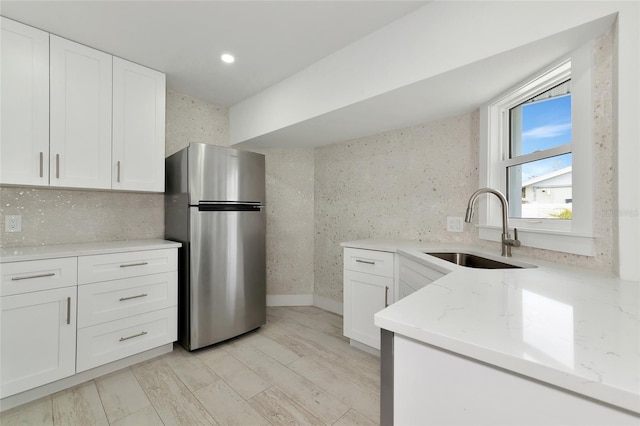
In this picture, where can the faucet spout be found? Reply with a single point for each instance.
(507, 242)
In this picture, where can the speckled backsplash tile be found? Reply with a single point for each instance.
(189, 119)
(399, 185)
(55, 216)
(290, 228)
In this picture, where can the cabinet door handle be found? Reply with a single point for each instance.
(68, 310)
(118, 171)
(57, 166)
(368, 262)
(134, 264)
(122, 299)
(41, 164)
(29, 277)
(386, 296)
(122, 339)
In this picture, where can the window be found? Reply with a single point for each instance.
(536, 149)
(538, 164)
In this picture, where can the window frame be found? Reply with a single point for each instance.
(571, 236)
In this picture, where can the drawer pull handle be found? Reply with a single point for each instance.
(134, 264)
(29, 277)
(122, 339)
(122, 299)
(368, 262)
(68, 310)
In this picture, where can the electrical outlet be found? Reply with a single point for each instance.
(455, 224)
(13, 223)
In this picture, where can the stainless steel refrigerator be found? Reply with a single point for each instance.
(214, 205)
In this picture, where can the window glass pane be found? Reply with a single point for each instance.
(542, 122)
(541, 189)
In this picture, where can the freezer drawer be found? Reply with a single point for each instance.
(227, 290)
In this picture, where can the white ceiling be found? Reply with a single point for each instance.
(184, 39)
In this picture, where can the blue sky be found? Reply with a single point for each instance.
(546, 124)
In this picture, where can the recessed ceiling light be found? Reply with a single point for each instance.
(227, 58)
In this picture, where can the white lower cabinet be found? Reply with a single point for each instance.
(38, 339)
(452, 389)
(136, 312)
(66, 315)
(364, 295)
(368, 288)
(373, 280)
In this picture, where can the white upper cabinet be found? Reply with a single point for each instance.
(81, 86)
(138, 127)
(24, 140)
(76, 117)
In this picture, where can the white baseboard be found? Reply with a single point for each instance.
(290, 300)
(328, 304)
(305, 300)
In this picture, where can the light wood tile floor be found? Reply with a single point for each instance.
(298, 369)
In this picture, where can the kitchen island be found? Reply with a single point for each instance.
(549, 344)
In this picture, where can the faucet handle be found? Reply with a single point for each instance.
(516, 241)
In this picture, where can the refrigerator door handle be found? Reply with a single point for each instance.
(229, 207)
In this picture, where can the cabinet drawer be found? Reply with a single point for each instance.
(36, 275)
(104, 343)
(112, 300)
(105, 267)
(369, 261)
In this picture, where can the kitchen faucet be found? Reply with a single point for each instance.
(507, 242)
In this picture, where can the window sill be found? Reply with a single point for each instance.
(565, 242)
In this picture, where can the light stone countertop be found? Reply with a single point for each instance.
(18, 254)
(574, 328)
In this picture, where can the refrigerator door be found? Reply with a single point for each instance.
(224, 174)
(228, 274)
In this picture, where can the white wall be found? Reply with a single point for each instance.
(436, 39)
(627, 111)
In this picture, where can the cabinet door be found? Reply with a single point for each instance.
(364, 296)
(24, 147)
(81, 100)
(38, 339)
(412, 276)
(138, 127)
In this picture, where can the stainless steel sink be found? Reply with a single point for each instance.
(472, 261)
